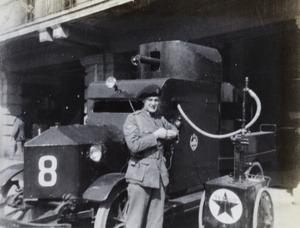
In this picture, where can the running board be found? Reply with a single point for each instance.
(182, 204)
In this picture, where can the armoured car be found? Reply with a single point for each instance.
(74, 175)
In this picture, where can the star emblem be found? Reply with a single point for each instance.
(225, 206)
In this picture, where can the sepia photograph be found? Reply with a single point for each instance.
(149, 113)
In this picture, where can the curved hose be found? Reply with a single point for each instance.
(257, 113)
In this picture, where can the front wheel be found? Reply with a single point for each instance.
(201, 210)
(12, 206)
(263, 214)
(11, 198)
(112, 212)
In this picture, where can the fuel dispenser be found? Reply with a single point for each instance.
(241, 199)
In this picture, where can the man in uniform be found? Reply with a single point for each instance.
(147, 176)
(18, 134)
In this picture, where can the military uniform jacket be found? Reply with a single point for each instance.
(18, 132)
(147, 165)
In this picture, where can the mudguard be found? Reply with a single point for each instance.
(100, 189)
(14, 172)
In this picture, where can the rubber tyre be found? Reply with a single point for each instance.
(263, 213)
(112, 212)
(201, 210)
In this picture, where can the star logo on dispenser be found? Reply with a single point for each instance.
(225, 206)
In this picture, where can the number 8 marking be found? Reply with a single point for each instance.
(47, 170)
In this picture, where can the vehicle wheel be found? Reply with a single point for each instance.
(11, 204)
(263, 213)
(201, 209)
(112, 212)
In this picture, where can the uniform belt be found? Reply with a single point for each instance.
(150, 153)
(154, 156)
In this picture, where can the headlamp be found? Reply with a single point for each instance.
(110, 82)
(96, 152)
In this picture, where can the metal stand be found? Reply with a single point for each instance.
(241, 143)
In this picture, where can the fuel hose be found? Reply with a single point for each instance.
(257, 113)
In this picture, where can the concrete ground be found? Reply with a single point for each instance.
(286, 212)
(286, 200)
(285, 193)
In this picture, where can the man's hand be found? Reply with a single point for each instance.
(171, 134)
(161, 133)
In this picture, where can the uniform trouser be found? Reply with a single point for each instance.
(19, 148)
(146, 207)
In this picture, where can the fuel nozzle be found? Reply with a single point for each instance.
(246, 88)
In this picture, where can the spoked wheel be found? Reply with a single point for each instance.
(263, 214)
(201, 209)
(111, 213)
(11, 202)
